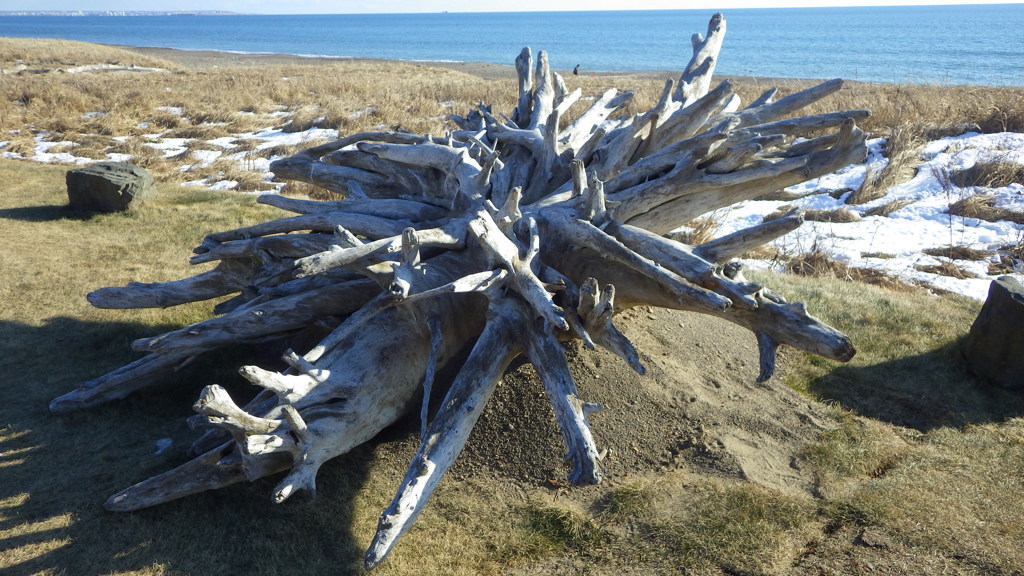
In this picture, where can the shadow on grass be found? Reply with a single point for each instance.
(50, 213)
(927, 391)
(55, 472)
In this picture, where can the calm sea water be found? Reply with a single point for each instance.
(913, 44)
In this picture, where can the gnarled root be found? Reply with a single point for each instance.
(505, 236)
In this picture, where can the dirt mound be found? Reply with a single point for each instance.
(698, 409)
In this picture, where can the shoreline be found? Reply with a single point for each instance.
(213, 59)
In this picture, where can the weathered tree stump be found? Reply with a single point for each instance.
(502, 237)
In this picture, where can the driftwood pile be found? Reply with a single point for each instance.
(502, 237)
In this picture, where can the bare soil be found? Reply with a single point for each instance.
(698, 409)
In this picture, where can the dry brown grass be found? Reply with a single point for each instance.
(302, 189)
(959, 253)
(902, 146)
(838, 215)
(888, 208)
(38, 53)
(819, 264)
(346, 96)
(937, 110)
(995, 174)
(357, 96)
(945, 269)
(698, 231)
(225, 169)
(983, 208)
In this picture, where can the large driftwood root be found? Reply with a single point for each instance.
(502, 237)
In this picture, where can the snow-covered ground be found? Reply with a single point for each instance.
(893, 243)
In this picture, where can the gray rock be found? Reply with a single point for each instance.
(108, 186)
(994, 348)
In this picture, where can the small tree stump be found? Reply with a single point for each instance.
(994, 349)
(108, 186)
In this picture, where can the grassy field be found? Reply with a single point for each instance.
(921, 470)
(113, 112)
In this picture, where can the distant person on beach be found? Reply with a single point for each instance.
(576, 70)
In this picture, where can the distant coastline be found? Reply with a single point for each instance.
(117, 13)
(947, 45)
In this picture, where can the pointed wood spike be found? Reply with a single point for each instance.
(217, 468)
(548, 357)
(447, 434)
(428, 378)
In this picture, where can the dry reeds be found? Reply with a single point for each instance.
(996, 174)
(959, 253)
(888, 208)
(901, 149)
(819, 264)
(983, 208)
(945, 269)
(836, 215)
(697, 231)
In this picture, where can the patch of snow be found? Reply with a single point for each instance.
(272, 137)
(905, 233)
(223, 185)
(42, 152)
(205, 157)
(224, 142)
(169, 146)
(363, 112)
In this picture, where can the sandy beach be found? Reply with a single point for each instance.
(217, 59)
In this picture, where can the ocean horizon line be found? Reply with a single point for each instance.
(946, 45)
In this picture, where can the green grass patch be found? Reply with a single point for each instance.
(955, 492)
(632, 501)
(563, 529)
(736, 529)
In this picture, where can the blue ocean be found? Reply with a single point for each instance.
(977, 44)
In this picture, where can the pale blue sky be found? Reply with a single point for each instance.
(405, 6)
